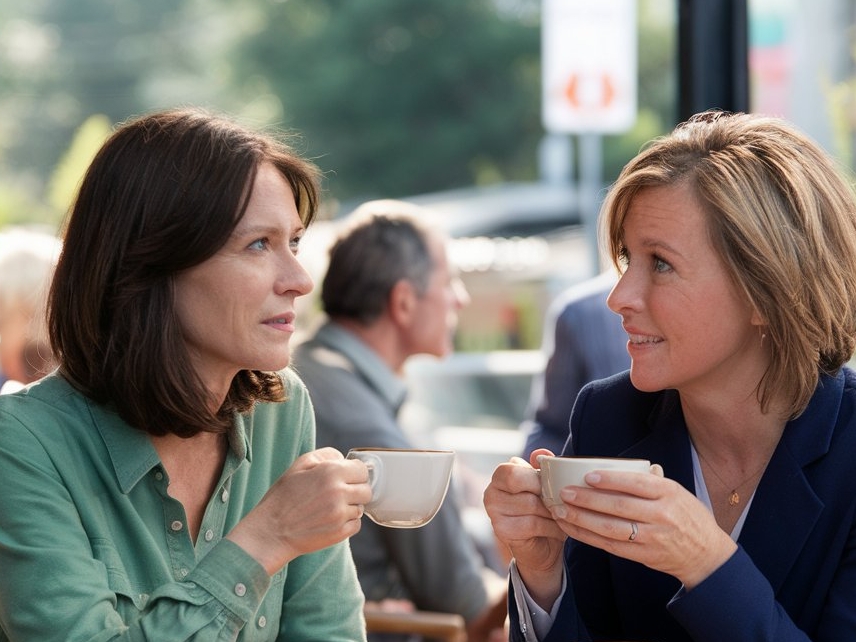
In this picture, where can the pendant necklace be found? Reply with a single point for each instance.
(733, 496)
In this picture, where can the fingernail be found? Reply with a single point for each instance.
(592, 478)
(560, 512)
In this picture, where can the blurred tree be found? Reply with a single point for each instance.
(62, 61)
(398, 97)
(393, 97)
(65, 180)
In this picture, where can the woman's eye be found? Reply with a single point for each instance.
(258, 244)
(660, 265)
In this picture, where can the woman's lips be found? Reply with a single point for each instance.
(282, 323)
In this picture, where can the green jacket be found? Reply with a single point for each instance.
(93, 548)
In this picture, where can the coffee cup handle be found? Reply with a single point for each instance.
(375, 468)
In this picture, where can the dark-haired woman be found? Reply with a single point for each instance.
(163, 483)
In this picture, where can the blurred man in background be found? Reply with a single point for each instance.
(390, 293)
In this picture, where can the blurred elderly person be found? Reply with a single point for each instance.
(389, 292)
(163, 483)
(27, 260)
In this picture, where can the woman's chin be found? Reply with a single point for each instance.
(645, 382)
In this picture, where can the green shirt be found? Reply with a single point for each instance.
(93, 548)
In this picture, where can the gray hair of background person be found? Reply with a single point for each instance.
(164, 194)
(781, 216)
(27, 259)
(385, 243)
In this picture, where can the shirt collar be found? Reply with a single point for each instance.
(366, 361)
(132, 453)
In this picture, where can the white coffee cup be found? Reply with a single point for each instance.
(558, 472)
(408, 486)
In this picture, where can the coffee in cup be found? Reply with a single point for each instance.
(408, 485)
(558, 472)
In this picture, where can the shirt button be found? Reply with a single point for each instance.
(224, 496)
(240, 589)
(262, 622)
(183, 572)
(159, 475)
(176, 525)
(209, 535)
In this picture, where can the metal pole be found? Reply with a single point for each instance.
(590, 179)
(713, 56)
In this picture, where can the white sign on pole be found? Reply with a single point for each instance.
(589, 65)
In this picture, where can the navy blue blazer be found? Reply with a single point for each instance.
(794, 574)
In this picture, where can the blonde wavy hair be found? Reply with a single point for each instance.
(782, 216)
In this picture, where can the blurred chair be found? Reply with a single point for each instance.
(431, 625)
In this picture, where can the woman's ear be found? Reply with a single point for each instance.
(402, 302)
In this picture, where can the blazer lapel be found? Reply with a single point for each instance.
(785, 503)
(668, 442)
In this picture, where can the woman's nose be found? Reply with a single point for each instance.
(622, 294)
(294, 277)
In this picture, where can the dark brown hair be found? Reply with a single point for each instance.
(163, 194)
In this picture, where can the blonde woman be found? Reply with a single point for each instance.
(735, 238)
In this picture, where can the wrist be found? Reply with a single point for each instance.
(699, 572)
(543, 585)
(267, 553)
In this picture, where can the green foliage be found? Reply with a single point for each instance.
(397, 97)
(391, 97)
(18, 207)
(68, 174)
(63, 60)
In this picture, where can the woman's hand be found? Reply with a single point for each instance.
(316, 503)
(523, 524)
(671, 530)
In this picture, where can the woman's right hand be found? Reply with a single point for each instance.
(316, 503)
(523, 524)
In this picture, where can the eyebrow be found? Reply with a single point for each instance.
(264, 230)
(649, 244)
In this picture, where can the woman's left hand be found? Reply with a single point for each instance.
(648, 519)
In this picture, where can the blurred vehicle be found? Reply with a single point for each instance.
(516, 245)
(482, 390)
(503, 210)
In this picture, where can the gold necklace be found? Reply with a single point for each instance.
(733, 496)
